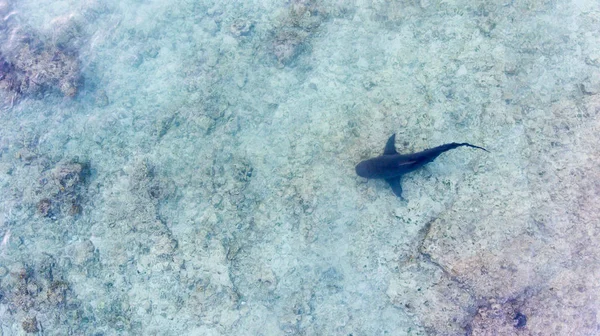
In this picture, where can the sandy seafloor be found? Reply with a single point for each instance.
(187, 167)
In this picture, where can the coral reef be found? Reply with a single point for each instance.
(47, 68)
(301, 22)
(30, 325)
(44, 206)
(496, 318)
(61, 189)
(288, 44)
(34, 71)
(39, 296)
(9, 81)
(32, 65)
(291, 37)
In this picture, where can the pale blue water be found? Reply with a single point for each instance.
(187, 167)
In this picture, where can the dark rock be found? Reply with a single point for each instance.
(240, 27)
(288, 44)
(44, 207)
(35, 66)
(520, 320)
(68, 175)
(30, 325)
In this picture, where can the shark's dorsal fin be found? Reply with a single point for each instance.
(390, 146)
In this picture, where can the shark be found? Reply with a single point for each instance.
(391, 166)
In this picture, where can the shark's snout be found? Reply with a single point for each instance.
(363, 169)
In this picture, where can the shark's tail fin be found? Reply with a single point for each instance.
(473, 146)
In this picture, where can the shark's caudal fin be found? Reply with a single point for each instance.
(390, 146)
(473, 146)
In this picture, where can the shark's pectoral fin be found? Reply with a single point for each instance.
(396, 185)
(390, 146)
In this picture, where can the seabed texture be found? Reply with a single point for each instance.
(187, 167)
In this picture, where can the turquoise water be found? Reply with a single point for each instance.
(187, 167)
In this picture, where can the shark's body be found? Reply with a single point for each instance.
(391, 165)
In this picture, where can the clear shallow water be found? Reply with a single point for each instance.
(188, 168)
